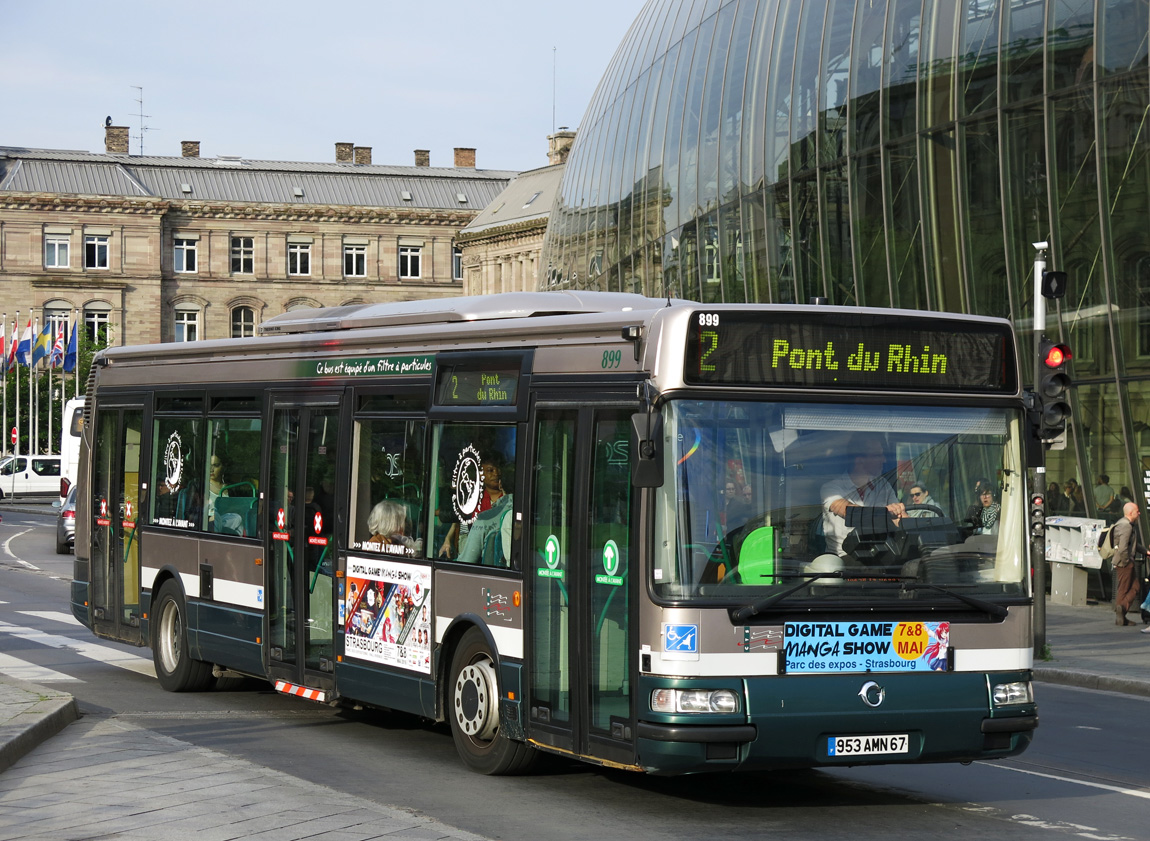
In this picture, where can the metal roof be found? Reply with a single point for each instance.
(529, 196)
(241, 180)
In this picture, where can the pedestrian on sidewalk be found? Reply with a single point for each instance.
(1126, 551)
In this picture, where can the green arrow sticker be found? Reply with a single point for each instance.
(610, 565)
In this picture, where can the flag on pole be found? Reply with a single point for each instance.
(3, 355)
(10, 359)
(70, 353)
(43, 345)
(24, 349)
(56, 357)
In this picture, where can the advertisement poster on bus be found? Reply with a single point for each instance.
(844, 647)
(386, 613)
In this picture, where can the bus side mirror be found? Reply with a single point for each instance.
(647, 463)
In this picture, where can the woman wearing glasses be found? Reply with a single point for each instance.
(919, 495)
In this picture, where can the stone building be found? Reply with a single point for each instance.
(501, 246)
(149, 248)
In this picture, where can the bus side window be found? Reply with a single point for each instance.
(387, 488)
(474, 493)
(233, 471)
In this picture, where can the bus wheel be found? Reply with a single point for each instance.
(474, 712)
(176, 671)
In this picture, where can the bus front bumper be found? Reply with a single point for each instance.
(811, 721)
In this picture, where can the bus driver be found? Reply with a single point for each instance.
(862, 485)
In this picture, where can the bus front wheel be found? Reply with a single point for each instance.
(176, 670)
(474, 712)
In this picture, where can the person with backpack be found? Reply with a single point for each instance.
(1127, 550)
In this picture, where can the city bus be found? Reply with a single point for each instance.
(615, 528)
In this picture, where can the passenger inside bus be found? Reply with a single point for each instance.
(488, 541)
(388, 523)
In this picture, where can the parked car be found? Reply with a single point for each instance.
(20, 475)
(66, 524)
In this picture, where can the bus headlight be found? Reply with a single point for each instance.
(694, 701)
(1018, 692)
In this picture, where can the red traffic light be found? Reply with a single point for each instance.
(1057, 356)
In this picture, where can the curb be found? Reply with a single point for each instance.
(43, 719)
(1090, 680)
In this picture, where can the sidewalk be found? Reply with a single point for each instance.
(110, 778)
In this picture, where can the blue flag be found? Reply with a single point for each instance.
(70, 354)
(43, 345)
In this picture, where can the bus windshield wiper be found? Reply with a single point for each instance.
(995, 610)
(744, 613)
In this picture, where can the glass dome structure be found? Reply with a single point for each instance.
(885, 153)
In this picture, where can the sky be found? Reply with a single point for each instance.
(285, 81)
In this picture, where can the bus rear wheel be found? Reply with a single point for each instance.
(176, 670)
(474, 712)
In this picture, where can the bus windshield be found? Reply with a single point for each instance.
(863, 503)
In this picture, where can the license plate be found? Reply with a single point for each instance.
(867, 745)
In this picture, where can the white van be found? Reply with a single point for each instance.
(70, 428)
(21, 475)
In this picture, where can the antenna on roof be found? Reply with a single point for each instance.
(142, 116)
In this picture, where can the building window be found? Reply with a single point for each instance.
(95, 252)
(457, 264)
(96, 324)
(56, 252)
(409, 256)
(187, 325)
(243, 255)
(355, 261)
(243, 322)
(185, 256)
(299, 258)
(58, 319)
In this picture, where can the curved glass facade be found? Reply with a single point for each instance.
(886, 153)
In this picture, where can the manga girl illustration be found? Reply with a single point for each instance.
(936, 652)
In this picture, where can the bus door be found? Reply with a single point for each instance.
(582, 582)
(114, 595)
(300, 505)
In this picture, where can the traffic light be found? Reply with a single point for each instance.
(1052, 387)
(1037, 515)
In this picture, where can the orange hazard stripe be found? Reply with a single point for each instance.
(302, 691)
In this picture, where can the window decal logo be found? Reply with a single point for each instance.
(173, 461)
(467, 480)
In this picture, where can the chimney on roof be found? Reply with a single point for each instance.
(190, 148)
(116, 140)
(464, 157)
(423, 157)
(559, 145)
(363, 155)
(343, 152)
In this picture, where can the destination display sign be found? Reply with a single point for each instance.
(850, 351)
(848, 647)
(480, 387)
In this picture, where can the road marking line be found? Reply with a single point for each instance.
(90, 650)
(22, 562)
(8, 551)
(1131, 792)
(22, 670)
(53, 615)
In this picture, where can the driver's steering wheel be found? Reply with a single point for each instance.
(920, 507)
